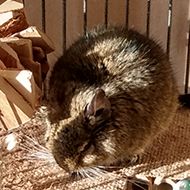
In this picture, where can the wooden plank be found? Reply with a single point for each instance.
(14, 109)
(54, 27)
(117, 12)
(37, 37)
(187, 79)
(10, 5)
(9, 56)
(12, 21)
(2, 65)
(23, 47)
(158, 28)
(10, 114)
(34, 12)
(137, 18)
(74, 20)
(179, 40)
(23, 82)
(35, 67)
(95, 13)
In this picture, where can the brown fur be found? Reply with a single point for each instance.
(110, 94)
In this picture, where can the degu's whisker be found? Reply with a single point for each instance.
(47, 157)
(79, 175)
(34, 149)
(87, 174)
(28, 142)
(82, 173)
(29, 158)
(95, 171)
(113, 167)
(31, 148)
(90, 172)
(135, 183)
(32, 140)
(25, 148)
(39, 155)
(44, 156)
(40, 149)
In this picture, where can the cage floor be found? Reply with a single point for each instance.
(168, 156)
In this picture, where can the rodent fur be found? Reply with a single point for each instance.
(110, 94)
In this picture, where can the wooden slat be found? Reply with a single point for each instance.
(158, 28)
(187, 79)
(23, 47)
(2, 65)
(117, 12)
(54, 27)
(138, 15)
(10, 5)
(10, 115)
(179, 40)
(74, 20)
(95, 13)
(34, 12)
(23, 82)
(9, 56)
(14, 109)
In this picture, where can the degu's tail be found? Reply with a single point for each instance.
(184, 100)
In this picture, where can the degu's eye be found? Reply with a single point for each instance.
(85, 114)
(85, 109)
(99, 112)
(87, 119)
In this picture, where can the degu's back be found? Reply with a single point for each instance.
(110, 94)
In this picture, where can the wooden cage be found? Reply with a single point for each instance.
(166, 21)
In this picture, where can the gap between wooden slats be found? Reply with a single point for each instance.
(74, 20)
(54, 27)
(34, 12)
(179, 40)
(187, 77)
(117, 12)
(137, 18)
(158, 22)
(95, 13)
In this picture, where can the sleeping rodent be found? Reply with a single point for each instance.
(110, 94)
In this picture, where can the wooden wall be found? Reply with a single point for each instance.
(165, 20)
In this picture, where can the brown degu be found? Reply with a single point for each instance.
(110, 94)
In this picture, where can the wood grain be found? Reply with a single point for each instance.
(117, 12)
(95, 13)
(138, 15)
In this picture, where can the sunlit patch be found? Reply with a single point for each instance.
(10, 142)
(89, 159)
(70, 164)
(26, 83)
(109, 145)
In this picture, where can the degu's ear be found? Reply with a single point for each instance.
(99, 108)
